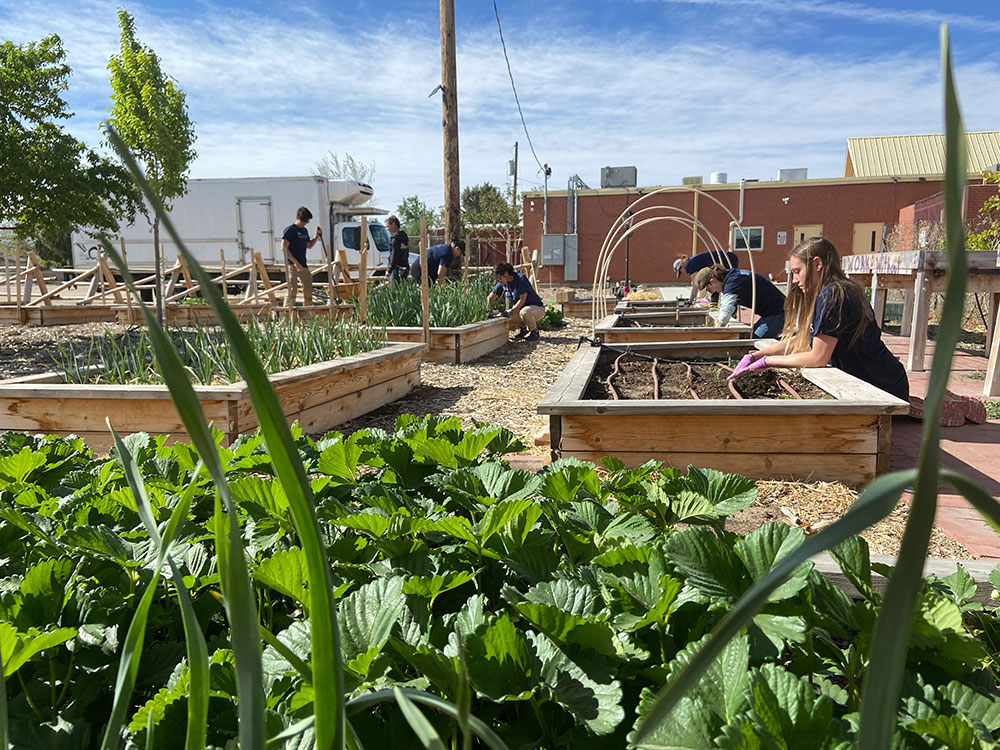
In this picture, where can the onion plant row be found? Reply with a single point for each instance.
(207, 357)
(454, 303)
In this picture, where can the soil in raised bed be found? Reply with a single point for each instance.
(634, 380)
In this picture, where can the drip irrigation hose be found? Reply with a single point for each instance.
(732, 385)
(690, 374)
(788, 387)
(615, 371)
(656, 381)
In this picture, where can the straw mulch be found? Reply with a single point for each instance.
(814, 505)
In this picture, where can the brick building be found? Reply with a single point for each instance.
(890, 178)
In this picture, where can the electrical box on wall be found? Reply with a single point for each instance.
(552, 249)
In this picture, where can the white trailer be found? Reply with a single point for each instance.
(240, 216)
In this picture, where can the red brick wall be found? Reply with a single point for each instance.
(653, 247)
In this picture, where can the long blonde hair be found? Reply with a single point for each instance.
(799, 304)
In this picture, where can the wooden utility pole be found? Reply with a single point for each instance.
(363, 272)
(513, 199)
(425, 307)
(449, 122)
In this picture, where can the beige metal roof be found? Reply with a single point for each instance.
(901, 155)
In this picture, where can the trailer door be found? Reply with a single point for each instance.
(256, 228)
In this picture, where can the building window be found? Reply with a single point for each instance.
(752, 235)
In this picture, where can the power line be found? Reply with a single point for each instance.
(514, 88)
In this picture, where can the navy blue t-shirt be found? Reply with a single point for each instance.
(770, 301)
(298, 238)
(437, 256)
(867, 358)
(703, 260)
(519, 285)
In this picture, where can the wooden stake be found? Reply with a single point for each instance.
(992, 385)
(468, 252)
(425, 305)
(449, 121)
(330, 270)
(363, 271)
(265, 278)
(6, 273)
(222, 266)
(128, 292)
(109, 278)
(17, 279)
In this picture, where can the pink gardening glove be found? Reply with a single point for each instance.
(760, 364)
(742, 366)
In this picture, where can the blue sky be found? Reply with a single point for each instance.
(674, 87)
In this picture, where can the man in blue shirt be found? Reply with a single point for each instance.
(439, 259)
(294, 243)
(525, 307)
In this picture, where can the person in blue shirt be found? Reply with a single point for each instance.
(439, 260)
(734, 288)
(294, 243)
(524, 307)
(828, 320)
(695, 263)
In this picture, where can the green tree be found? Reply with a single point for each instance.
(486, 204)
(51, 183)
(988, 235)
(150, 113)
(334, 167)
(411, 210)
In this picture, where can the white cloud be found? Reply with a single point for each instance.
(851, 11)
(268, 100)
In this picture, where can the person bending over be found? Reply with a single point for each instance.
(828, 320)
(524, 306)
(695, 263)
(439, 260)
(734, 288)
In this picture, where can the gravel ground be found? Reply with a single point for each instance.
(26, 350)
(504, 388)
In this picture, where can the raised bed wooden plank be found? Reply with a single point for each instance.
(790, 433)
(477, 349)
(62, 416)
(616, 335)
(456, 344)
(851, 469)
(583, 308)
(324, 416)
(57, 315)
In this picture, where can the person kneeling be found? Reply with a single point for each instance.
(524, 306)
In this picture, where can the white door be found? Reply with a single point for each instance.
(256, 228)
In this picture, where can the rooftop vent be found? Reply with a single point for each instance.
(696, 180)
(618, 177)
(718, 178)
(800, 173)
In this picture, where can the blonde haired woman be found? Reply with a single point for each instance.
(828, 320)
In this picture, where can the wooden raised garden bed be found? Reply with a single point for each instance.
(840, 435)
(582, 308)
(647, 305)
(622, 329)
(56, 315)
(456, 345)
(319, 396)
(191, 315)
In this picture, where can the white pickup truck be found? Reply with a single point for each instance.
(240, 216)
